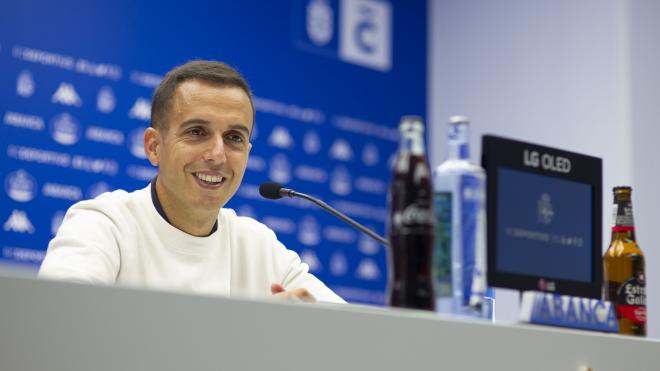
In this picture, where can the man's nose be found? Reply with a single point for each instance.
(216, 150)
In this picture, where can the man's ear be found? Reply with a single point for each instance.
(152, 142)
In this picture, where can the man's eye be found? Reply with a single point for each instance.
(235, 138)
(196, 132)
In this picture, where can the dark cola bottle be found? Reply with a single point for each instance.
(410, 224)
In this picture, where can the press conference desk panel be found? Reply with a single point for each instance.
(62, 326)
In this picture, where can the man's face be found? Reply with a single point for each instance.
(201, 147)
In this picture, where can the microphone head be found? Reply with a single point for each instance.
(270, 190)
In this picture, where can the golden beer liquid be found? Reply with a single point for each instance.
(623, 261)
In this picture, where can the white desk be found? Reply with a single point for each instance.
(61, 326)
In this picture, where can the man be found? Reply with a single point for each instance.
(174, 234)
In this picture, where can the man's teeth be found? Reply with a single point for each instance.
(209, 178)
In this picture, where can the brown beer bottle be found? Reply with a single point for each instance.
(410, 225)
(624, 277)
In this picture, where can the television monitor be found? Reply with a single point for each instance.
(544, 218)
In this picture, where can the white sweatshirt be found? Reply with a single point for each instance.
(121, 238)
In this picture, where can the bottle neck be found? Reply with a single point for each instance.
(623, 226)
(458, 142)
(412, 142)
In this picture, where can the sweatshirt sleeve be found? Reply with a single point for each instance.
(85, 248)
(295, 274)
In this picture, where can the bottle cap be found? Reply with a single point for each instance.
(411, 123)
(455, 120)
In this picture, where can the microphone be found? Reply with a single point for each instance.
(274, 191)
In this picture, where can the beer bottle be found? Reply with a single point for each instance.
(624, 277)
(410, 226)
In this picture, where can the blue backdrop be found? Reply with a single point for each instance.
(330, 77)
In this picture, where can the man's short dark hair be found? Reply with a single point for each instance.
(209, 71)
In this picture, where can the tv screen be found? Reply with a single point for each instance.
(544, 216)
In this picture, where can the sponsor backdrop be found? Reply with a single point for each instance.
(330, 77)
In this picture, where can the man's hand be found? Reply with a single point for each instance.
(302, 295)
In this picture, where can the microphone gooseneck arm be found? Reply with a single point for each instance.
(291, 193)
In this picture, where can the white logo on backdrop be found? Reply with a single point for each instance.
(311, 142)
(545, 210)
(18, 222)
(280, 137)
(368, 245)
(320, 25)
(105, 100)
(370, 185)
(311, 174)
(309, 257)
(20, 186)
(66, 94)
(103, 135)
(25, 85)
(20, 120)
(370, 154)
(256, 163)
(136, 142)
(338, 264)
(280, 225)
(309, 231)
(141, 110)
(341, 150)
(280, 169)
(97, 189)
(56, 221)
(339, 234)
(65, 129)
(62, 191)
(368, 270)
(366, 33)
(340, 181)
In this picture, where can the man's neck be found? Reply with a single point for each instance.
(194, 223)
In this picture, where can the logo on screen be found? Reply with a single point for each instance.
(280, 169)
(105, 100)
(545, 210)
(65, 129)
(320, 23)
(25, 84)
(365, 36)
(367, 245)
(18, 222)
(20, 186)
(66, 95)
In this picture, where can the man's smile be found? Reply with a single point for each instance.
(209, 181)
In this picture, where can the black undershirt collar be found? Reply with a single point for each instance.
(159, 208)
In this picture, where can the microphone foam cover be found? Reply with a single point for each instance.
(270, 190)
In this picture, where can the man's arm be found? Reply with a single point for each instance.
(85, 248)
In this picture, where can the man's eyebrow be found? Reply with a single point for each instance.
(239, 127)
